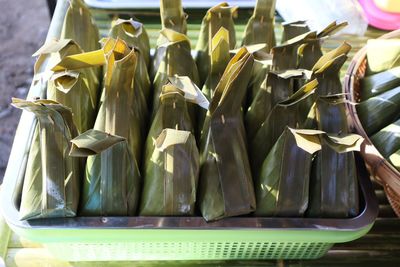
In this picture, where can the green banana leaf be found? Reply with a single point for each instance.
(172, 57)
(134, 34)
(216, 17)
(334, 186)
(285, 56)
(387, 140)
(334, 183)
(78, 90)
(327, 70)
(278, 86)
(379, 111)
(172, 16)
(51, 183)
(310, 53)
(260, 27)
(293, 29)
(112, 183)
(379, 83)
(78, 25)
(226, 186)
(171, 175)
(261, 67)
(378, 61)
(283, 185)
(123, 109)
(290, 112)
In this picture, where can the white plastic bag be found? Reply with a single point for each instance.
(319, 13)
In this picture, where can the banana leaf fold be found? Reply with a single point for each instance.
(225, 185)
(52, 178)
(172, 57)
(112, 183)
(76, 89)
(379, 83)
(260, 27)
(379, 111)
(291, 112)
(216, 17)
(378, 61)
(293, 29)
(170, 175)
(387, 140)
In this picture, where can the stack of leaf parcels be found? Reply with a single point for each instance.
(379, 109)
(266, 133)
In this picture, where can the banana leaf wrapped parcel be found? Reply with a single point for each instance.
(216, 17)
(171, 175)
(334, 182)
(172, 15)
(285, 56)
(122, 113)
(76, 89)
(282, 187)
(78, 25)
(327, 70)
(134, 34)
(293, 29)
(379, 111)
(260, 27)
(310, 52)
(52, 178)
(378, 83)
(172, 57)
(278, 86)
(291, 112)
(114, 183)
(226, 186)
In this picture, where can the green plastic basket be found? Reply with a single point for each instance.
(173, 238)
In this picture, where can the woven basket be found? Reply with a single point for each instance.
(380, 169)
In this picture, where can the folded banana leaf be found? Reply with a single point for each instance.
(112, 183)
(283, 185)
(78, 90)
(172, 16)
(293, 29)
(334, 186)
(334, 183)
(261, 67)
(226, 186)
(78, 25)
(219, 59)
(278, 86)
(216, 17)
(327, 70)
(134, 34)
(260, 27)
(379, 111)
(310, 53)
(285, 56)
(51, 183)
(123, 110)
(378, 61)
(171, 175)
(379, 83)
(387, 140)
(290, 112)
(172, 57)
